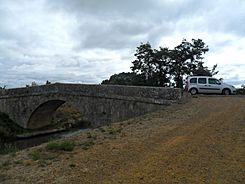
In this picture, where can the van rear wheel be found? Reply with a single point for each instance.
(193, 91)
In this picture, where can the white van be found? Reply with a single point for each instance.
(208, 85)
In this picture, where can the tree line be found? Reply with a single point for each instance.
(165, 67)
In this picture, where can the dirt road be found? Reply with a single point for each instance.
(202, 141)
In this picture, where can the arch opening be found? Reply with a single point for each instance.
(57, 114)
(42, 115)
(69, 116)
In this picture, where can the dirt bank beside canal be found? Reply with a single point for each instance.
(202, 141)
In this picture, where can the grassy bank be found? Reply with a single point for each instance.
(8, 128)
(241, 91)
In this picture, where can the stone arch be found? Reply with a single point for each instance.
(43, 114)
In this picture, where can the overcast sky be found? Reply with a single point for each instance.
(87, 41)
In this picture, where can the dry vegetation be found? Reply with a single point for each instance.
(198, 142)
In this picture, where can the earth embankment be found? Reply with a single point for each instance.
(202, 141)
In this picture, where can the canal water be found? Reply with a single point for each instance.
(23, 143)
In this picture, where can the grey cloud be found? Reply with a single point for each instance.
(227, 16)
(14, 27)
(112, 35)
(232, 74)
(119, 24)
(29, 40)
(144, 9)
(105, 8)
(57, 68)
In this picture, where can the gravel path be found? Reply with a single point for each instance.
(202, 141)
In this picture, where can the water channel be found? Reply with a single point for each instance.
(7, 146)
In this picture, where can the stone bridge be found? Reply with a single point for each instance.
(33, 107)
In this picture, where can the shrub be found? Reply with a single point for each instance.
(8, 128)
(6, 148)
(66, 145)
(52, 145)
(35, 155)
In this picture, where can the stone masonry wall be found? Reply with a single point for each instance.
(101, 104)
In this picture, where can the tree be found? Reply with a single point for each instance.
(187, 59)
(4, 87)
(153, 67)
(162, 67)
(204, 71)
(143, 64)
(129, 78)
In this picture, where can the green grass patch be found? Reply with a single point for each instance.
(6, 148)
(52, 145)
(66, 145)
(42, 155)
(35, 154)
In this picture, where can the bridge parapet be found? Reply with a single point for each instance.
(156, 95)
(33, 107)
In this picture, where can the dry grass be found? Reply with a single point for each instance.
(198, 142)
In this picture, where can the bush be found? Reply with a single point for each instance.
(241, 91)
(35, 155)
(8, 128)
(52, 145)
(6, 148)
(66, 145)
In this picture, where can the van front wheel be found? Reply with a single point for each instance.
(226, 92)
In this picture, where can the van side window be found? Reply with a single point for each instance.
(213, 81)
(202, 80)
(193, 80)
